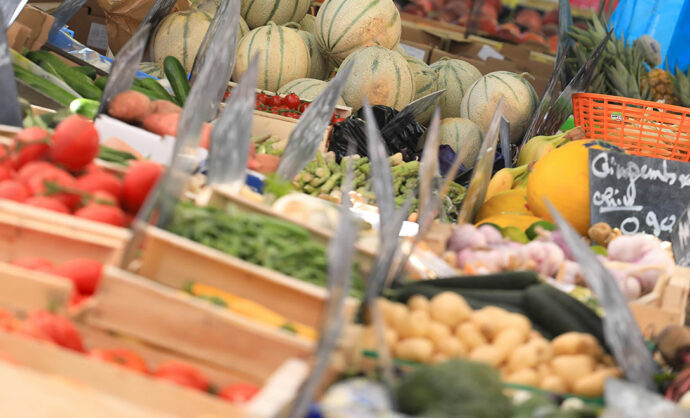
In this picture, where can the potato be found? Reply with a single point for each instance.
(572, 367)
(470, 335)
(413, 325)
(164, 106)
(449, 308)
(518, 322)
(439, 358)
(452, 347)
(414, 349)
(544, 370)
(593, 385)
(553, 383)
(161, 123)
(129, 106)
(508, 340)
(543, 349)
(487, 354)
(418, 303)
(369, 338)
(386, 308)
(394, 313)
(524, 356)
(489, 320)
(526, 377)
(575, 343)
(437, 332)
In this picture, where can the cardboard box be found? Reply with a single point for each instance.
(417, 50)
(30, 30)
(418, 34)
(89, 27)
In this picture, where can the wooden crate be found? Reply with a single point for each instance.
(171, 319)
(281, 127)
(175, 261)
(221, 196)
(666, 305)
(22, 290)
(29, 231)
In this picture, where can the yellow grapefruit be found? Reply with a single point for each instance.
(508, 202)
(562, 177)
(520, 221)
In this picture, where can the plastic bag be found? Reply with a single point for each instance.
(403, 138)
(662, 21)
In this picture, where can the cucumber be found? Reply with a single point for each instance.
(559, 312)
(177, 76)
(44, 86)
(87, 71)
(153, 95)
(101, 82)
(81, 83)
(514, 280)
(85, 107)
(153, 85)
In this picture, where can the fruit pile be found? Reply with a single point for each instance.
(56, 171)
(290, 106)
(45, 326)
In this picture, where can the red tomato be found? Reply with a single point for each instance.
(6, 173)
(104, 198)
(338, 120)
(292, 101)
(275, 101)
(182, 374)
(262, 98)
(7, 320)
(13, 190)
(84, 272)
(303, 107)
(77, 298)
(100, 180)
(239, 392)
(46, 202)
(30, 144)
(75, 143)
(122, 356)
(32, 263)
(56, 183)
(138, 181)
(33, 168)
(58, 329)
(48, 270)
(107, 214)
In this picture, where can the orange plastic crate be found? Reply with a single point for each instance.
(640, 127)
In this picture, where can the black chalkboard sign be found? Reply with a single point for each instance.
(680, 238)
(637, 194)
(10, 113)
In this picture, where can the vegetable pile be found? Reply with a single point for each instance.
(45, 326)
(323, 177)
(258, 239)
(290, 106)
(55, 171)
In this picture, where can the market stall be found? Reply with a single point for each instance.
(225, 208)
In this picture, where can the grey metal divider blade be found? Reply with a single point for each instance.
(124, 67)
(546, 100)
(410, 112)
(157, 12)
(10, 9)
(341, 251)
(63, 14)
(381, 177)
(565, 21)
(621, 331)
(476, 192)
(229, 150)
(10, 112)
(504, 139)
(306, 137)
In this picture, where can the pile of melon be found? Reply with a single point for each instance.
(298, 53)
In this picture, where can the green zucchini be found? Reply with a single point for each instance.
(80, 82)
(87, 71)
(153, 95)
(155, 86)
(560, 313)
(515, 280)
(177, 76)
(44, 86)
(101, 82)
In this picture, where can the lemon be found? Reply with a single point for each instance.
(509, 201)
(562, 177)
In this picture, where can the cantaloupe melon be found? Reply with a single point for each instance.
(306, 88)
(283, 56)
(345, 26)
(320, 67)
(259, 12)
(380, 75)
(519, 104)
(308, 23)
(425, 83)
(401, 51)
(180, 35)
(456, 77)
(464, 136)
(210, 7)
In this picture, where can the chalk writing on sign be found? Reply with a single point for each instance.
(637, 194)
